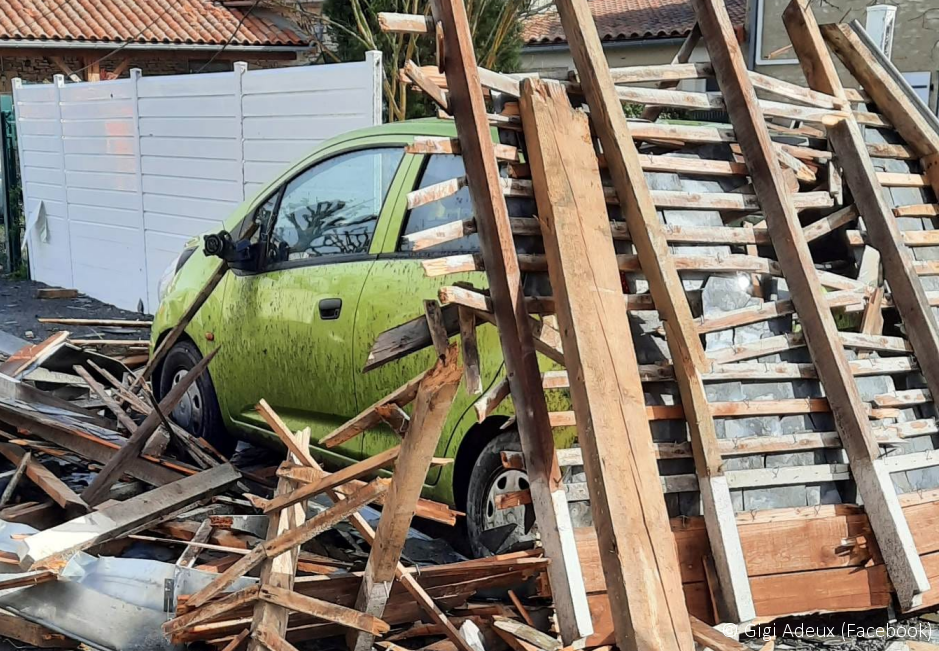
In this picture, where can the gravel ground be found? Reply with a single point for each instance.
(19, 309)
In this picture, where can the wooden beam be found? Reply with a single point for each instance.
(511, 316)
(332, 480)
(847, 141)
(405, 23)
(431, 408)
(53, 545)
(289, 539)
(299, 603)
(472, 375)
(643, 578)
(660, 269)
(821, 333)
(14, 481)
(886, 93)
(370, 417)
(427, 85)
(51, 485)
(60, 62)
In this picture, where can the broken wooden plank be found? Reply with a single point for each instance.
(42, 477)
(191, 554)
(170, 339)
(874, 485)
(398, 23)
(369, 418)
(279, 572)
(332, 480)
(427, 85)
(290, 538)
(320, 609)
(431, 408)
(426, 603)
(99, 486)
(14, 481)
(35, 635)
(434, 145)
(51, 546)
(298, 450)
(472, 375)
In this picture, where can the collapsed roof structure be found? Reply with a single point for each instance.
(743, 314)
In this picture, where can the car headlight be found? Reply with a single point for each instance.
(170, 272)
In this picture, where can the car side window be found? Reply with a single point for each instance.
(333, 207)
(456, 207)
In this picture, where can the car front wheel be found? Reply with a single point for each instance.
(198, 411)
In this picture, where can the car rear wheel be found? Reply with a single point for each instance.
(198, 412)
(493, 530)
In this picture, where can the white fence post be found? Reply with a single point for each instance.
(373, 58)
(135, 75)
(241, 67)
(59, 82)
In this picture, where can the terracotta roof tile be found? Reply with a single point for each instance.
(626, 20)
(198, 22)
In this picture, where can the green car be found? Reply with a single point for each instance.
(322, 269)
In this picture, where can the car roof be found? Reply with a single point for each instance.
(410, 128)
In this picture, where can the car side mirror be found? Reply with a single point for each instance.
(241, 254)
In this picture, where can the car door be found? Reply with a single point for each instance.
(396, 290)
(291, 322)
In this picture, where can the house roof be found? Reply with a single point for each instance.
(627, 20)
(158, 22)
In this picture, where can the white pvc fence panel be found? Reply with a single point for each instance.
(118, 175)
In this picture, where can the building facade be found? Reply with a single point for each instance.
(915, 51)
(646, 32)
(86, 40)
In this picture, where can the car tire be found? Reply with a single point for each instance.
(198, 412)
(487, 480)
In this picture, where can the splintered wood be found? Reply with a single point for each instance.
(689, 238)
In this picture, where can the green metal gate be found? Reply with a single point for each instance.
(11, 196)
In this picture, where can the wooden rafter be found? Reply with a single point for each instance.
(498, 250)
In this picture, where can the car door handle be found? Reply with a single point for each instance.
(330, 308)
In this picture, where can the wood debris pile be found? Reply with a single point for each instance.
(146, 481)
(742, 316)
